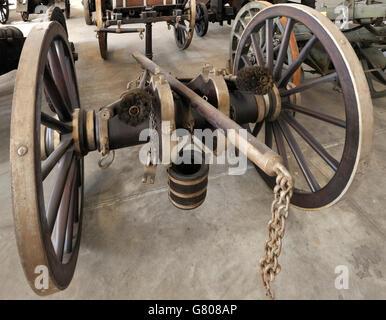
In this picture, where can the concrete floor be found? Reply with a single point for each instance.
(136, 245)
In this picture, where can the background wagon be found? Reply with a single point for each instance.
(111, 15)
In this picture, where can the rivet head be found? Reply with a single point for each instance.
(22, 150)
(105, 114)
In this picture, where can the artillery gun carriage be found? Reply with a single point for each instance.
(266, 108)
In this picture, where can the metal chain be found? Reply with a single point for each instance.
(153, 137)
(133, 84)
(105, 164)
(269, 265)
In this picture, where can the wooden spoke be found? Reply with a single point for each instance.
(181, 33)
(243, 24)
(312, 183)
(262, 39)
(71, 214)
(312, 142)
(79, 185)
(309, 84)
(58, 75)
(269, 43)
(297, 63)
(54, 157)
(66, 72)
(315, 114)
(182, 26)
(283, 48)
(55, 124)
(257, 128)
(256, 49)
(246, 60)
(72, 83)
(64, 212)
(268, 133)
(280, 143)
(62, 109)
(57, 191)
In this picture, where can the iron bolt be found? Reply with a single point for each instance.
(21, 151)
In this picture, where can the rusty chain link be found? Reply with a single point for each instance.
(269, 265)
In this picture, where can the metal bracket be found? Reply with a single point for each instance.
(149, 169)
(103, 132)
(215, 85)
(164, 96)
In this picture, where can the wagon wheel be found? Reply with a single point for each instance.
(244, 16)
(67, 9)
(184, 28)
(4, 11)
(202, 20)
(87, 13)
(102, 36)
(47, 195)
(24, 16)
(321, 146)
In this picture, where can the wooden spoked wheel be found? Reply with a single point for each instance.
(202, 19)
(47, 174)
(244, 16)
(102, 36)
(184, 28)
(321, 134)
(4, 11)
(87, 13)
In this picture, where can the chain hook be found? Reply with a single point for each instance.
(101, 163)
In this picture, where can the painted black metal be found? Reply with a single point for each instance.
(122, 135)
(149, 41)
(188, 181)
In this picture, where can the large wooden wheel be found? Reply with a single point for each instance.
(184, 28)
(321, 134)
(202, 19)
(47, 174)
(87, 13)
(244, 16)
(100, 11)
(4, 11)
